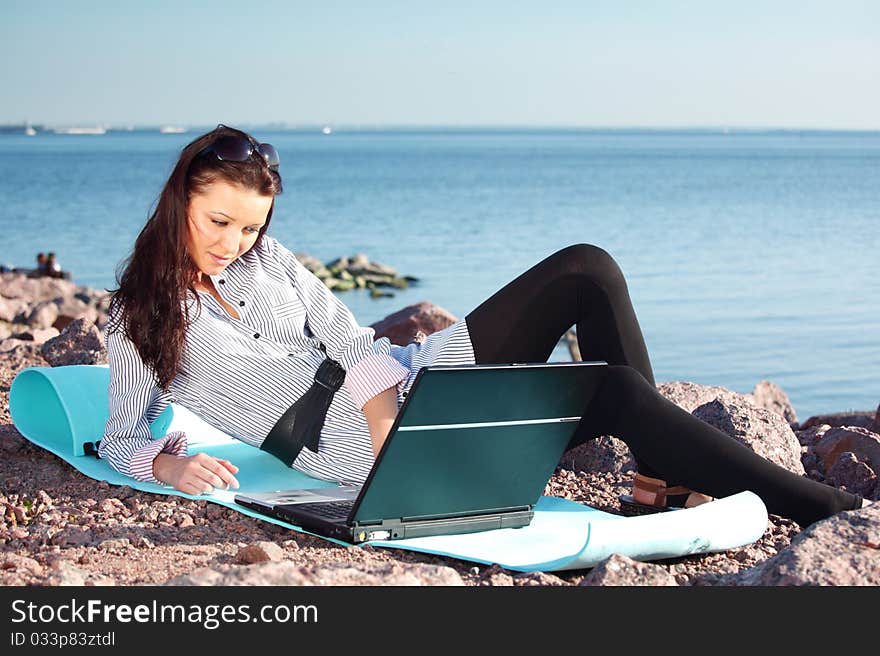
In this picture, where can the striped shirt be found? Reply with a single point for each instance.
(240, 375)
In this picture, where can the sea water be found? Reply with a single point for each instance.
(749, 255)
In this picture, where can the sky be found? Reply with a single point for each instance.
(589, 63)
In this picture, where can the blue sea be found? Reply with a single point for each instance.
(749, 255)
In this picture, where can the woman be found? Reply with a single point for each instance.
(219, 317)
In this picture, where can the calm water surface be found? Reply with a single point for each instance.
(749, 256)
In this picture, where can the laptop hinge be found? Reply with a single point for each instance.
(421, 518)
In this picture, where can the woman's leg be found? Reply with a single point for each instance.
(691, 452)
(583, 285)
(580, 285)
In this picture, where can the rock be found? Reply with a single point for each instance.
(36, 335)
(843, 550)
(64, 573)
(114, 544)
(402, 326)
(79, 343)
(10, 308)
(620, 570)
(287, 573)
(21, 563)
(259, 552)
(864, 419)
(690, 396)
(604, 454)
(770, 396)
(808, 437)
(43, 315)
(72, 536)
(765, 395)
(860, 441)
(537, 578)
(764, 432)
(851, 473)
(19, 286)
(74, 308)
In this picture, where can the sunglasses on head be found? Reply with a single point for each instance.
(233, 148)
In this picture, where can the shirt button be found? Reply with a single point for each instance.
(241, 303)
(221, 281)
(256, 335)
(405, 394)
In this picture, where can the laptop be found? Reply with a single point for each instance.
(472, 449)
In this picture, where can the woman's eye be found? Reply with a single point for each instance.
(216, 222)
(251, 230)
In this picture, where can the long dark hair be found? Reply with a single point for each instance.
(156, 278)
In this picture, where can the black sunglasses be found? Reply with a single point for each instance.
(234, 148)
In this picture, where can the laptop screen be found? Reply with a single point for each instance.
(477, 438)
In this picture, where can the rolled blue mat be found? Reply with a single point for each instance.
(62, 408)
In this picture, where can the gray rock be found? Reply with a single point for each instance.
(259, 552)
(604, 454)
(809, 436)
(21, 563)
(864, 419)
(36, 335)
(691, 395)
(403, 325)
(863, 443)
(841, 550)
(64, 573)
(620, 570)
(42, 315)
(10, 308)
(538, 578)
(79, 343)
(72, 536)
(764, 432)
(287, 573)
(770, 396)
(853, 474)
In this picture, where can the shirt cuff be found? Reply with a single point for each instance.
(142, 459)
(373, 375)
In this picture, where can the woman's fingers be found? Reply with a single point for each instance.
(215, 472)
(229, 466)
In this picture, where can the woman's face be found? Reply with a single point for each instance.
(224, 222)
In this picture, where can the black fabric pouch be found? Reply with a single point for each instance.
(300, 426)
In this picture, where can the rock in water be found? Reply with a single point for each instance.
(402, 326)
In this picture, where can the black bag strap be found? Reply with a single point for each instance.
(302, 422)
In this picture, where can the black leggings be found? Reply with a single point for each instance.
(582, 285)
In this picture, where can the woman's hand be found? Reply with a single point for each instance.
(198, 474)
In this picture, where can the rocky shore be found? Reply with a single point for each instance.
(59, 527)
(356, 272)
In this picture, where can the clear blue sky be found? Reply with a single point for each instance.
(786, 63)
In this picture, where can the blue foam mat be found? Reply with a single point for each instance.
(60, 408)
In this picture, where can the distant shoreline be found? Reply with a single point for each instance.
(319, 129)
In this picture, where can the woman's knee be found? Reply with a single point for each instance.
(625, 386)
(590, 260)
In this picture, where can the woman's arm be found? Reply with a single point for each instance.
(128, 444)
(380, 411)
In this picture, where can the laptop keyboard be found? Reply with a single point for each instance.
(328, 509)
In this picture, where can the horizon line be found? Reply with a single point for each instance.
(355, 126)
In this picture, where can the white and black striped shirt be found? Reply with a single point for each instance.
(240, 375)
